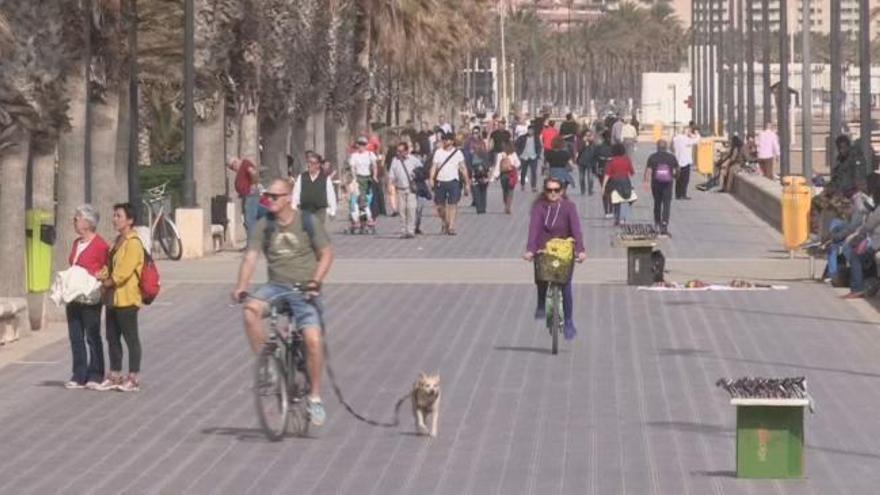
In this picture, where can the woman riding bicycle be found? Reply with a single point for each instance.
(554, 216)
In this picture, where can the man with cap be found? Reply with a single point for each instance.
(364, 167)
(448, 169)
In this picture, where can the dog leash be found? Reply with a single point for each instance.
(338, 391)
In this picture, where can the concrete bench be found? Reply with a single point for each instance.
(13, 314)
(762, 196)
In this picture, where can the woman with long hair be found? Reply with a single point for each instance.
(560, 162)
(554, 216)
(507, 171)
(617, 185)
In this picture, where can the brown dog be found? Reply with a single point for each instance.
(426, 402)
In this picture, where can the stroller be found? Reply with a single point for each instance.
(359, 205)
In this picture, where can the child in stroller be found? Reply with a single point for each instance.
(360, 196)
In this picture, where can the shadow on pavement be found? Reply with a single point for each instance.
(241, 434)
(790, 315)
(724, 473)
(52, 383)
(514, 348)
(691, 427)
(803, 367)
(682, 352)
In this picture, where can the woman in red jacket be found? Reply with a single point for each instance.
(618, 172)
(90, 252)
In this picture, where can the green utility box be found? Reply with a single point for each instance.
(770, 438)
(40, 231)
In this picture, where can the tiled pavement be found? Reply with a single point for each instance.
(628, 407)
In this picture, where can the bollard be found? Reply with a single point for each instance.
(706, 156)
(796, 197)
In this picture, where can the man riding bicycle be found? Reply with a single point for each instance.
(298, 254)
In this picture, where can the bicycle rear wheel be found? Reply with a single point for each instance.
(298, 389)
(554, 315)
(270, 394)
(169, 238)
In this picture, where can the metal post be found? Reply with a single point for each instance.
(705, 104)
(865, 81)
(504, 107)
(718, 32)
(87, 146)
(189, 183)
(134, 183)
(730, 84)
(711, 45)
(765, 42)
(807, 92)
(750, 68)
(674, 112)
(784, 124)
(836, 66)
(740, 72)
(693, 58)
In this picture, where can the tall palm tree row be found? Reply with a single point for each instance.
(271, 64)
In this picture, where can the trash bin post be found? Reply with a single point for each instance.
(770, 438)
(40, 232)
(796, 198)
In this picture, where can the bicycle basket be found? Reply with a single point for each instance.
(549, 268)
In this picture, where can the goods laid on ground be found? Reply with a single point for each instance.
(638, 232)
(700, 285)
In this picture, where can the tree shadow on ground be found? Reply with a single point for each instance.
(244, 434)
(51, 383)
(723, 473)
(514, 348)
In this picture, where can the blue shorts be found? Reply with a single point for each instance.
(448, 192)
(305, 312)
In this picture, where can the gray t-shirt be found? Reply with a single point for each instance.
(402, 171)
(290, 255)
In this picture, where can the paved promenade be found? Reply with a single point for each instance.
(629, 406)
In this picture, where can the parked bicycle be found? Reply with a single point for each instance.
(162, 228)
(281, 380)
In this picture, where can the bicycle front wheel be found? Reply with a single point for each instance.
(554, 315)
(270, 394)
(169, 238)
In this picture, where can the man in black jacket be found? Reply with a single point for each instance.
(529, 149)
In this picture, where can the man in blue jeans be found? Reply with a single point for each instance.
(246, 185)
(298, 254)
(859, 249)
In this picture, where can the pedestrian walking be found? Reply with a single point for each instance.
(560, 162)
(586, 163)
(364, 168)
(123, 286)
(629, 135)
(548, 134)
(768, 150)
(313, 191)
(683, 144)
(661, 171)
(507, 172)
(617, 184)
(530, 150)
(554, 216)
(448, 176)
(247, 188)
(617, 130)
(91, 253)
(403, 168)
(569, 130)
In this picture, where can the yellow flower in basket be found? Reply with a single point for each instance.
(562, 249)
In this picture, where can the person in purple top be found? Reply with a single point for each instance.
(554, 216)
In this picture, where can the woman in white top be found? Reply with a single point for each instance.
(507, 171)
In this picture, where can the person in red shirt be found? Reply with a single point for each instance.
(246, 182)
(92, 253)
(617, 184)
(549, 134)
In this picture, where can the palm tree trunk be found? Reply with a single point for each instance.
(299, 143)
(123, 132)
(331, 139)
(363, 34)
(249, 136)
(208, 163)
(13, 174)
(105, 189)
(71, 169)
(144, 121)
(275, 150)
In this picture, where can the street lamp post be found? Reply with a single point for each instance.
(711, 46)
(740, 71)
(750, 68)
(189, 184)
(807, 92)
(865, 81)
(134, 185)
(765, 45)
(674, 89)
(836, 117)
(784, 124)
(504, 107)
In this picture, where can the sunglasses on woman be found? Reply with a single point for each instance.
(549, 190)
(273, 196)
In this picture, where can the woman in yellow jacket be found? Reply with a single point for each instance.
(123, 285)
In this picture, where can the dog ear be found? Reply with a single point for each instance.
(422, 376)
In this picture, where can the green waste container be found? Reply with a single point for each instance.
(770, 438)
(40, 233)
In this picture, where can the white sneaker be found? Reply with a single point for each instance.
(72, 385)
(92, 385)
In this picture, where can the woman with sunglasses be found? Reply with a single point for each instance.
(554, 216)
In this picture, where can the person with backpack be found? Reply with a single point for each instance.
(663, 169)
(298, 254)
(122, 284)
(449, 177)
(403, 165)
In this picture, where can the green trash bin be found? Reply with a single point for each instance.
(40, 233)
(770, 438)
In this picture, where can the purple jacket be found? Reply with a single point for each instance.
(552, 220)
